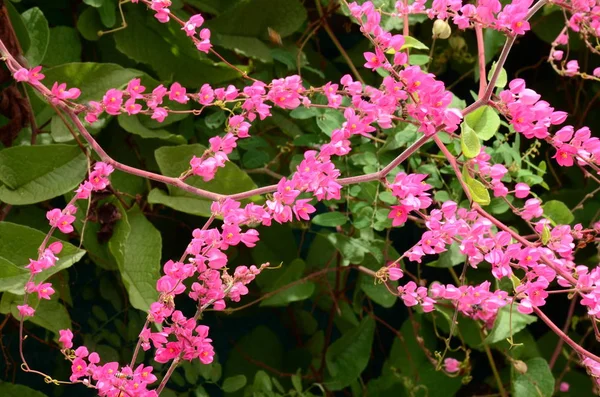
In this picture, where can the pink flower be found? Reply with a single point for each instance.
(21, 75)
(26, 310)
(135, 89)
(169, 352)
(60, 92)
(572, 68)
(159, 114)
(131, 107)
(564, 155)
(395, 273)
(375, 60)
(177, 93)
(532, 209)
(204, 44)
(84, 190)
(192, 24)
(564, 387)
(206, 95)
(66, 338)
(78, 369)
(398, 214)
(216, 259)
(112, 101)
(45, 290)
(521, 190)
(451, 365)
(302, 208)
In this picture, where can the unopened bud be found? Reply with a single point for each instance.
(520, 366)
(441, 29)
(457, 43)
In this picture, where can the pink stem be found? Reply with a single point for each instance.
(481, 57)
(564, 336)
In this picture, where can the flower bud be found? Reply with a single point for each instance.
(520, 366)
(457, 43)
(441, 29)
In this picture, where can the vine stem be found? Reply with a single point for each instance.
(490, 358)
(481, 58)
(565, 329)
(564, 336)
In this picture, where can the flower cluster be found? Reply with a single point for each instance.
(533, 117)
(429, 98)
(109, 379)
(411, 191)
(62, 220)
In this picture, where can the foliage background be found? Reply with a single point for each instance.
(334, 326)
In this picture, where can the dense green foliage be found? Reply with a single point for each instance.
(313, 323)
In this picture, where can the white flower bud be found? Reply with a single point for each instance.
(520, 366)
(441, 29)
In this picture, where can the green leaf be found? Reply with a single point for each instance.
(450, 258)
(20, 243)
(12, 277)
(502, 77)
(418, 59)
(94, 79)
(302, 113)
(558, 212)
(262, 345)
(330, 120)
(537, 381)
(64, 47)
(12, 390)
(545, 235)
(19, 26)
(94, 3)
(234, 383)
(253, 18)
(348, 356)
(255, 158)
(89, 24)
(31, 174)
(479, 192)
(250, 47)
(174, 160)
(136, 245)
(330, 219)
(411, 42)
(39, 34)
(108, 13)
(350, 248)
(508, 324)
(168, 52)
(51, 315)
(294, 293)
(485, 121)
(469, 141)
(133, 125)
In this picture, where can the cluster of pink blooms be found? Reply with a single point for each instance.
(163, 14)
(451, 365)
(510, 19)
(411, 192)
(430, 99)
(109, 379)
(533, 117)
(62, 220)
(407, 88)
(496, 173)
(476, 302)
